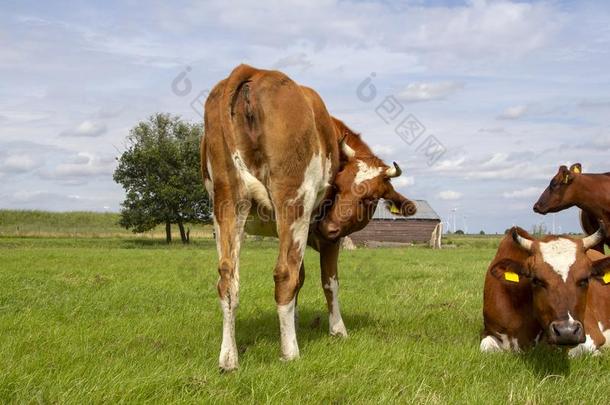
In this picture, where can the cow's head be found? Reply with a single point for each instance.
(362, 181)
(559, 195)
(559, 272)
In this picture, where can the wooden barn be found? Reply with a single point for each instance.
(388, 228)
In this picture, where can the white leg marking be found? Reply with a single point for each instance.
(228, 349)
(290, 347)
(209, 183)
(560, 254)
(584, 348)
(335, 322)
(256, 189)
(491, 344)
(606, 333)
(228, 359)
(315, 182)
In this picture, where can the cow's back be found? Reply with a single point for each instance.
(275, 125)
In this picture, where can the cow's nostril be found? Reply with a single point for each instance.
(555, 329)
(577, 328)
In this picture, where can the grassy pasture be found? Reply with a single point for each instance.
(132, 320)
(81, 224)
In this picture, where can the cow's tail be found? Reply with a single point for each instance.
(203, 159)
(238, 77)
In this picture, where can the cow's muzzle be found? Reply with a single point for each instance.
(566, 333)
(329, 230)
(538, 209)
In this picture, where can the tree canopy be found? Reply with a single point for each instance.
(160, 172)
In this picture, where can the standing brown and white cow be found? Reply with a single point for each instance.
(271, 161)
(551, 289)
(589, 192)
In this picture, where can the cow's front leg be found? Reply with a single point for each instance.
(329, 255)
(499, 343)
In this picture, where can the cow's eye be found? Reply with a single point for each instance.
(538, 282)
(583, 283)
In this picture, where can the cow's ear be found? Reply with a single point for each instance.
(509, 270)
(398, 204)
(565, 175)
(601, 269)
(576, 168)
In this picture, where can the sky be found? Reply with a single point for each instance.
(479, 102)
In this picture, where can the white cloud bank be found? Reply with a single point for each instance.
(449, 195)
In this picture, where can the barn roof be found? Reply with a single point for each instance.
(424, 211)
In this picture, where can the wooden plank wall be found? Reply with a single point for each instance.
(405, 231)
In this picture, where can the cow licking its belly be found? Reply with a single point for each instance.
(273, 160)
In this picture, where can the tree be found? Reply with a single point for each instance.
(160, 172)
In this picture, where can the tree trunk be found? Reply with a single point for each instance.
(182, 232)
(168, 232)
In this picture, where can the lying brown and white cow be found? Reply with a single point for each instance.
(271, 158)
(552, 289)
(589, 192)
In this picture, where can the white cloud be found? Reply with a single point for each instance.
(403, 181)
(513, 113)
(449, 195)
(415, 92)
(298, 59)
(528, 192)
(86, 129)
(450, 165)
(18, 164)
(386, 150)
(84, 164)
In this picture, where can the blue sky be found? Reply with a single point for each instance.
(510, 89)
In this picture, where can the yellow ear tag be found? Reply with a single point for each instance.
(510, 276)
(607, 277)
(394, 209)
(566, 179)
(576, 170)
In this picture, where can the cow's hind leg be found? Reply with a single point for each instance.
(293, 227)
(329, 256)
(296, 301)
(229, 222)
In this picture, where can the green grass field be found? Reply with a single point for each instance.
(128, 320)
(80, 224)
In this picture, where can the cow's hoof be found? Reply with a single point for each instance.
(228, 362)
(290, 356)
(338, 330)
(489, 344)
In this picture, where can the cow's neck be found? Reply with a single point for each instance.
(593, 194)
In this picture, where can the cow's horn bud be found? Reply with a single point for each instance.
(592, 240)
(347, 150)
(393, 171)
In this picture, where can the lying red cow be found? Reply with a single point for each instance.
(553, 289)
